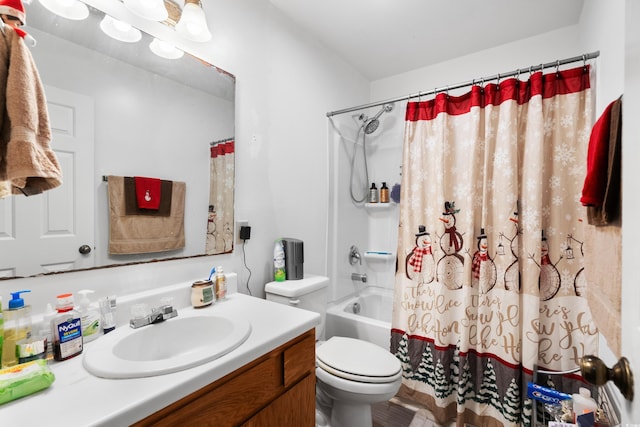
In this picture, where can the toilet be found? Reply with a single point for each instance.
(351, 374)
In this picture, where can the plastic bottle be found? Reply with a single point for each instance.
(66, 328)
(279, 274)
(221, 284)
(90, 317)
(108, 314)
(47, 317)
(373, 193)
(17, 327)
(384, 193)
(583, 402)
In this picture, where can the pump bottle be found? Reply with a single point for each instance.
(90, 317)
(17, 327)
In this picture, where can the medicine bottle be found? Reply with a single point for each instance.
(66, 328)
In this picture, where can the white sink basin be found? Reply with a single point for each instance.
(173, 345)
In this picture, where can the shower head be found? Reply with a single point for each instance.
(372, 125)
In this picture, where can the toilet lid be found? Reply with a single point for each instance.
(357, 360)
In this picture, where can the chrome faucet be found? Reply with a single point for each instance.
(359, 277)
(157, 315)
(354, 255)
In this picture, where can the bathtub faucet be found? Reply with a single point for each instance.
(354, 255)
(359, 277)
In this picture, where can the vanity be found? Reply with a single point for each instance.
(269, 379)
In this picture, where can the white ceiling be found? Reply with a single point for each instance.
(381, 38)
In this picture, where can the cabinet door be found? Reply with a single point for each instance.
(294, 408)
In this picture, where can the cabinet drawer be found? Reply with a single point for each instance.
(299, 359)
(297, 407)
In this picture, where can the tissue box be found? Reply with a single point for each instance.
(24, 379)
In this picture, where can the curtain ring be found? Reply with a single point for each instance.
(558, 68)
(498, 82)
(584, 63)
(447, 91)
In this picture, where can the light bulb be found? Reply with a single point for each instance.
(165, 49)
(119, 30)
(193, 23)
(70, 9)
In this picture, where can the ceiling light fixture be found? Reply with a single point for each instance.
(193, 22)
(153, 10)
(165, 50)
(119, 30)
(70, 9)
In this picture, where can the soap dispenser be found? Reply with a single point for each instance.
(90, 317)
(17, 327)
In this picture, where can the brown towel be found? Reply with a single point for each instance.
(131, 205)
(26, 159)
(137, 234)
(601, 193)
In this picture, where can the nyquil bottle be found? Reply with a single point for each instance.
(66, 328)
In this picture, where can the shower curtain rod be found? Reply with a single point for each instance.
(517, 72)
(221, 141)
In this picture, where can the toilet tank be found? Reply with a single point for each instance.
(308, 293)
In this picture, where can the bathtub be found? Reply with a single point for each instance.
(366, 316)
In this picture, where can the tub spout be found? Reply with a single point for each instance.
(359, 277)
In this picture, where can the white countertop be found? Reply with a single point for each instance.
(77, 398)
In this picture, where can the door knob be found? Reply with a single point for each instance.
(84, 249)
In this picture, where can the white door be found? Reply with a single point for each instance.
(53, 230)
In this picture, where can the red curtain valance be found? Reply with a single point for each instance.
(222, 149)
(547, 85)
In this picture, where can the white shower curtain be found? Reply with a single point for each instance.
(490, 271)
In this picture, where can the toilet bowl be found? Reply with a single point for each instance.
(354, 374)
(351, 374)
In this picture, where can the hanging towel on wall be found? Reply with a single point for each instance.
(147, 192)
(601, 191)
(137, 234)
(27, 162)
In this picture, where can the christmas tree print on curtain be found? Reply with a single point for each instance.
(486, 289)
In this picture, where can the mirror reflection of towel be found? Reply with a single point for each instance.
(137, 234)
(131, 204)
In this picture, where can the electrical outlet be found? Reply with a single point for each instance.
(243, 223)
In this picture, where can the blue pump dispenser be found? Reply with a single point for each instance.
(16, 302)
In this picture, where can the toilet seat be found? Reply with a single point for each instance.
(357, 360)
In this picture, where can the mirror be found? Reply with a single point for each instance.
(116, 109)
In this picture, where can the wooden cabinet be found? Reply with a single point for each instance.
(277, 389)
